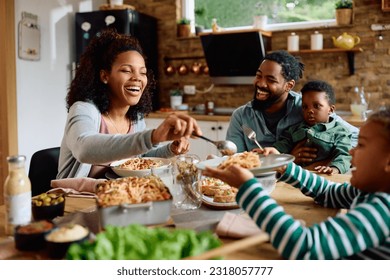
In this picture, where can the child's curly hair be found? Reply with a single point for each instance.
(382, 116)
(100, 55)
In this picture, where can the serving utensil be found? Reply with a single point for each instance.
(251, 135)
(225, 147)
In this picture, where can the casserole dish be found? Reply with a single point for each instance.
(133, 200)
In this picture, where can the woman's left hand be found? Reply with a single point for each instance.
(180, 146)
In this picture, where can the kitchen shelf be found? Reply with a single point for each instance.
(350, 55)
(167, 58)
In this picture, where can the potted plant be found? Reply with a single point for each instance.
(183, 27)
(344, 12)
(200, 22)
(176, 97)
(260, 18)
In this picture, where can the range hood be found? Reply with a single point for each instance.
(234, 57)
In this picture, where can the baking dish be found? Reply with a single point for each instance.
(133, 200)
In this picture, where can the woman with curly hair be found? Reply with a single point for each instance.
(107, 102)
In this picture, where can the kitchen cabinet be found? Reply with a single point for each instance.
(214, 130)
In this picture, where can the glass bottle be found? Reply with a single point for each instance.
(214, 25)
(358, 102)
(17, 194)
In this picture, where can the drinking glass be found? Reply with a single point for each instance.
(166, 175)
(186, 194)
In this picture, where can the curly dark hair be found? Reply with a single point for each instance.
(292, 67)
(382, 115)
(100, 54)
(318, 85)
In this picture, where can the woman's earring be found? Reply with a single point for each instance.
(104, 82)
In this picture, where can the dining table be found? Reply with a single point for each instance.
(83, 209)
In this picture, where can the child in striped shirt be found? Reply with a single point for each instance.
(361, 233)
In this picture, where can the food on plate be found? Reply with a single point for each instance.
(226, 195)
(131, 190)
(47, 199)
(246, 159)
(67, 233)
(219, 190)
(140, 164)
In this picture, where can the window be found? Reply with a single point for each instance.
(282, 14)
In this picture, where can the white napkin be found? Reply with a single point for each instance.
(83, 185)
(237, 226)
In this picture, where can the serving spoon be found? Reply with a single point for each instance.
(225, 147)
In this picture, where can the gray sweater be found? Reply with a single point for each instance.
(83, 145)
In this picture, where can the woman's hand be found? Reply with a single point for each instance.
(233, 175)
(174, 127)
(180, 146)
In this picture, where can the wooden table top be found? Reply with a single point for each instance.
(293, 201)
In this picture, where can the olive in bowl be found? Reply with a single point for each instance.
(31, 237)
(47, 206)
(59, 240)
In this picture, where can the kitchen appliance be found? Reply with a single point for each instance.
(142, 26)
(234, 57)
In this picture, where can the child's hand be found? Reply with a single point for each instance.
(326, 170)
(233, 175)
(281, 169)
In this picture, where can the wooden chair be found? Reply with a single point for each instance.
(43, 169)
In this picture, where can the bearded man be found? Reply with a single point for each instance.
(275, 107)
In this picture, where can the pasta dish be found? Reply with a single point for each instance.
(140, 164)
(218, 190)
(246, 159)
(131, 190)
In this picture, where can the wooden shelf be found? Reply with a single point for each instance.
(350, 55)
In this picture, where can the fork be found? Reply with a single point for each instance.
(251, 135)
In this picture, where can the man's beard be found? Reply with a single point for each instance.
(262, 105)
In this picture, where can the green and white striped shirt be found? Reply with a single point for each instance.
(362, 233)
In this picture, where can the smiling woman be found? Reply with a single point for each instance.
(107, 102)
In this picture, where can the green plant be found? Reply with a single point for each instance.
(183, 21)
(175, 92)
(200, 14)
(343, 4)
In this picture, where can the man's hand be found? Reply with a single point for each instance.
(303, 155)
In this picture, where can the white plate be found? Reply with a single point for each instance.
(123, 172)
(208, 201)
(268, 163)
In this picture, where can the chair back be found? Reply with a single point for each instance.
(43, 169)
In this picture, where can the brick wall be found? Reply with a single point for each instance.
(372, 66)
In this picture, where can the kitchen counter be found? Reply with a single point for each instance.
(198, 117)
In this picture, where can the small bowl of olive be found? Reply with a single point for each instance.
(47, 206)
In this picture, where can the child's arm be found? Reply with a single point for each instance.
(364, 227)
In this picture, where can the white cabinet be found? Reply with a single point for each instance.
(214, 130)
